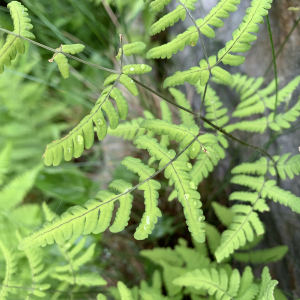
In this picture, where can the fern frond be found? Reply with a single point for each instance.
(242, 37)
(268, 189)
(259, 125)
(157, 5)
(187, 196)
(101, 297)
(213, 237)
(267, 286)
(13, 44)
(88, 279)
(14, 192)
(11, 267)
(124, 291)
(262, 256)
(180, 99)
(217, 283)
(83, 134)
(130, 49)
(240, 230)
(184, 134)
(5, 156)
(136, 69)
(191, 35)
(285, 167)
(152, 212)
(259, 167)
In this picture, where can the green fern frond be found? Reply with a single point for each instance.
(123, 79)
(14, 192)
(285, 167)
(152, 212)
(224, 214)
(180, 99)
(130, 49)
(191, 35)
(262, 256)
(242, 37)
(13, 44)
(82, 136)
(124, 291)
(184, 134)
(266, 290)
(123, 213)
(259, 125)
(218, 283)
(213, 237)
(48, 213)
(259, 167)
(241, 230)
(11, 267)
(268, 189)
(5, 156)
(187, 196)
(157, 5)
(101, 297)
(88, 279)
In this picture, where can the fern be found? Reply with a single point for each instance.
(150, 188)
(130, 49)
(242, 37)
(191, 35)
(13, 44)
(176, 170)
(224, 214)
(262, 256)
(11, 267)
(218, 283)
(83, 134)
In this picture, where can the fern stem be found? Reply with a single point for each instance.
(122, 51)
(203, 98)
(274, 62)
(57, 51)
(199, 32)
(281, 47)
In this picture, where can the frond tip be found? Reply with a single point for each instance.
(13, 44)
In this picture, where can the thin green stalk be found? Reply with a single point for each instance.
(281, 47)
(58, 51)
(274, 62)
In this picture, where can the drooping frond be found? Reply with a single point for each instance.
(219, 283)
(224, 214)
(185, 117)
(259, 167)
(242, 37)
(11, 267)
(262, 256)
(14, 192)
(124, 291)
(285, 167)
(13, 44)
(191, 35)
(5, 156)
(176, 170)
(152, 212)
(184, 134)
(82, 136)
(62, 60)
(130, 49)
(172, 17)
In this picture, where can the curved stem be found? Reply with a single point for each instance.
(57, 51)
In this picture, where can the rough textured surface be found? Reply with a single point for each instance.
(281, 223)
